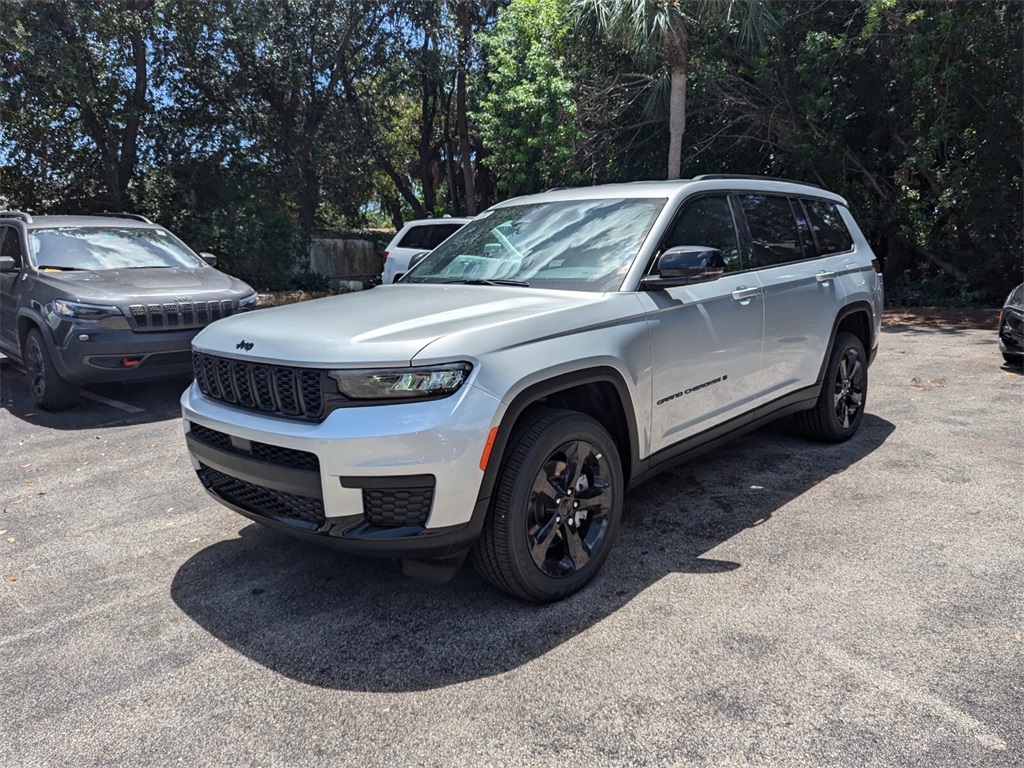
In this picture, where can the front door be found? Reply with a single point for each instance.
(706, 338)
(10, 290)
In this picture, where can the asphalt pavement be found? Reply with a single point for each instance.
(774, 603)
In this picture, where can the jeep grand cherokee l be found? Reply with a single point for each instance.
(104, 298)
(559, 348)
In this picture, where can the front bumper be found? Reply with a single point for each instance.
(92, 353)
(1011, 331)
(396, 480)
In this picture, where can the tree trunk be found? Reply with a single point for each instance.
(676, 121)
(462, 11)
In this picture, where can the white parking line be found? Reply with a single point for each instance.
(111, 403)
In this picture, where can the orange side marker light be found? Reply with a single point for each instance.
(485, 457)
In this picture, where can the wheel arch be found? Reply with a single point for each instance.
(854, 318)
(600, 392)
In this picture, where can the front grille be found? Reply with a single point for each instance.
(277, 389)
(185, 314)
(265, 502)
(289, 458)
(397, 507)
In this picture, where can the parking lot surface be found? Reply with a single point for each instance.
(776, 602)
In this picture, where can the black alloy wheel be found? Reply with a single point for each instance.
(839, 409)
(556, 508)
(50, 391)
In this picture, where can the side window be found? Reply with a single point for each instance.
(707, 221)
(10, 244)
(774, 236)
(828, 226)
(440, 233)
(415, 238)
(807, 249)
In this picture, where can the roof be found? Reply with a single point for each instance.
(104, 220)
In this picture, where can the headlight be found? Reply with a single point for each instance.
(249, 302)
(402, 383)
(81, 311)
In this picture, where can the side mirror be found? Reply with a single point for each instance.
(7, 265)
(209, 258)
(416, 258)
(684, 265)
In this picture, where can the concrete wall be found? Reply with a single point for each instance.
(347, 263)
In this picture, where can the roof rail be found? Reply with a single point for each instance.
(16, 215)
(135, 216)
(751, 177)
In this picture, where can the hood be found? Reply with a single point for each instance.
(387, 325)
(122, 287)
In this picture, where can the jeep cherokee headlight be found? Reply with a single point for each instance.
(80, 311)
(402, 383)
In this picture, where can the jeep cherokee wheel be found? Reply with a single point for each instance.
(556, 508)
(840, 407)
(50, 391)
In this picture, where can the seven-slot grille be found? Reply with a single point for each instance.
(277, 389)
(185, 314)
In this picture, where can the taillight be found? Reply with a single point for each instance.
(384, 256)
(876, 265)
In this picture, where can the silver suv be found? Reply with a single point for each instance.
(558, 349)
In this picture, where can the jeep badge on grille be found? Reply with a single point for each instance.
(243, 344)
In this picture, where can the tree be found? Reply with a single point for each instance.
(658, 32)
(76, 101)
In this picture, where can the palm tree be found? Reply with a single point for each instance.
(657, 34)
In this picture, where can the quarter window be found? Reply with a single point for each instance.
(415, 238)
(828, 226)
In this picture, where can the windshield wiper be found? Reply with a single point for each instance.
(497, 281)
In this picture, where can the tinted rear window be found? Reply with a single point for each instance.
(829, 229)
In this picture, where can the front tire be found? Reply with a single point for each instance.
(840, 407)
(51, 392)
(556, 509)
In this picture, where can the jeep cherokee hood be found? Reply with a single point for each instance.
(388, 325)
(127, 286)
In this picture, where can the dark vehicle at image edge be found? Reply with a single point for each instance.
(104, 298)
(1011, 327)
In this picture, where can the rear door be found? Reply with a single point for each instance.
(706, 338)
(801, 292)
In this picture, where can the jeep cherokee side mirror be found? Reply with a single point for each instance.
(684, 265)
(209, 258)
(416, 258)
(7, 264)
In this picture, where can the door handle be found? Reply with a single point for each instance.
(824, 277)
(745, 294)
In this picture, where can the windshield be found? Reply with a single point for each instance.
(95, 248)
(577, 245)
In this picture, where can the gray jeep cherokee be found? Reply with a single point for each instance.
(91, 299)
(503, 395)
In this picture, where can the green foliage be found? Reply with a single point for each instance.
(528, 116)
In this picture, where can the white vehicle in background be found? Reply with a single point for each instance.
(416, 237)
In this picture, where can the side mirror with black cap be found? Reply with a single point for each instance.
(684, 265)
(416, 258)
(209, 258)
(7, 264)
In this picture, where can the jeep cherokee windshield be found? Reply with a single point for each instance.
(98, 248)
(576, 245)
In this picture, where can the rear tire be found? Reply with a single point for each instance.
(839, 410)
(51, 392)
(556, 508)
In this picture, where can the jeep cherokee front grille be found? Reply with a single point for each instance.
(297, 393)
(187, 314)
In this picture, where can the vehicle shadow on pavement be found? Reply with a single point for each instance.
(101, 405)
(338, 621)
